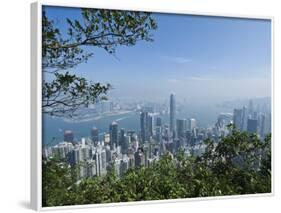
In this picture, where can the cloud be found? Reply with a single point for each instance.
(191, 78)
(178, 60)
(199, 79)
(173, 80)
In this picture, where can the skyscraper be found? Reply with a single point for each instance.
(146, 124)
(68, 136)
(192, 124)
(150, 125)
(244, 118)
(251, 108)
(113, 132)
(172, 113)
(100, 157)
(158, 134)
(143, 126)
(238, 118)
(158, 121)
(252, 125)
(125, 144)
(95, 134)
(122, 137)
(181, 128)
(265, 125)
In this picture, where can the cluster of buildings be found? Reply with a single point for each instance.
(252, 119)
(121, 149)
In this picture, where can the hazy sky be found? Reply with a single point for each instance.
(192, 56)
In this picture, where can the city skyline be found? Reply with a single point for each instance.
(128, 148)
(244, 117)
(152, 106)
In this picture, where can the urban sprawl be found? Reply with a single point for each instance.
(121, 149)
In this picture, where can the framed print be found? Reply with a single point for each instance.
(131, 105)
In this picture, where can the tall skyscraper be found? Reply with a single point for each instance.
(68, 136)
(252, 125)
(244, 118)
(122, 136)
(238, 118)
(173, 113)
(158, 134)
(251, 108)
(95, 134)
(147, 126)
(113, 132)
(262, 125)
(100, 157)
(143, 126)
(125, 144)
(265, 124)
(191, 124)
(158, 121)
(150, 125)
(181, 128)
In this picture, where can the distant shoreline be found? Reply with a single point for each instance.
(90, 117)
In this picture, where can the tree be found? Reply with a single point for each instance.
(240, 163)
(56, 181)
(65, 92)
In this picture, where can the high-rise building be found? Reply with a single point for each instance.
(100, 157)
(68, 136)
(124, 141)
(139, 158)
(158, 134)
(113, 132)
(191, 124)
(181, 128)
(150, 125)
(244, 118)
(147, 126)
(95, 134)
(62, 149)
(251, 108)
(265, 125)
(125, 144)
(262, 125)
(158, 121)
(124, 165)
(252, 125)
(85, 153)
(143, 126)
(122, 137)
(173, 113)
(238, 118)
(91, 168)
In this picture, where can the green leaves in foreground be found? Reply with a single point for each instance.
(65, 48)
(239, 164)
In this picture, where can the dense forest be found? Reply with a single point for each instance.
(240, 163)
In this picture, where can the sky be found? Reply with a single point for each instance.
(196, 57)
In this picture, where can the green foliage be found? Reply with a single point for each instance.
(96, 28)
(71, 93)
(239, 164)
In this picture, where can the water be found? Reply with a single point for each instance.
(53, 128)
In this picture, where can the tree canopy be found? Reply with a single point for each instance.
(63, 91)
(240, 163)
